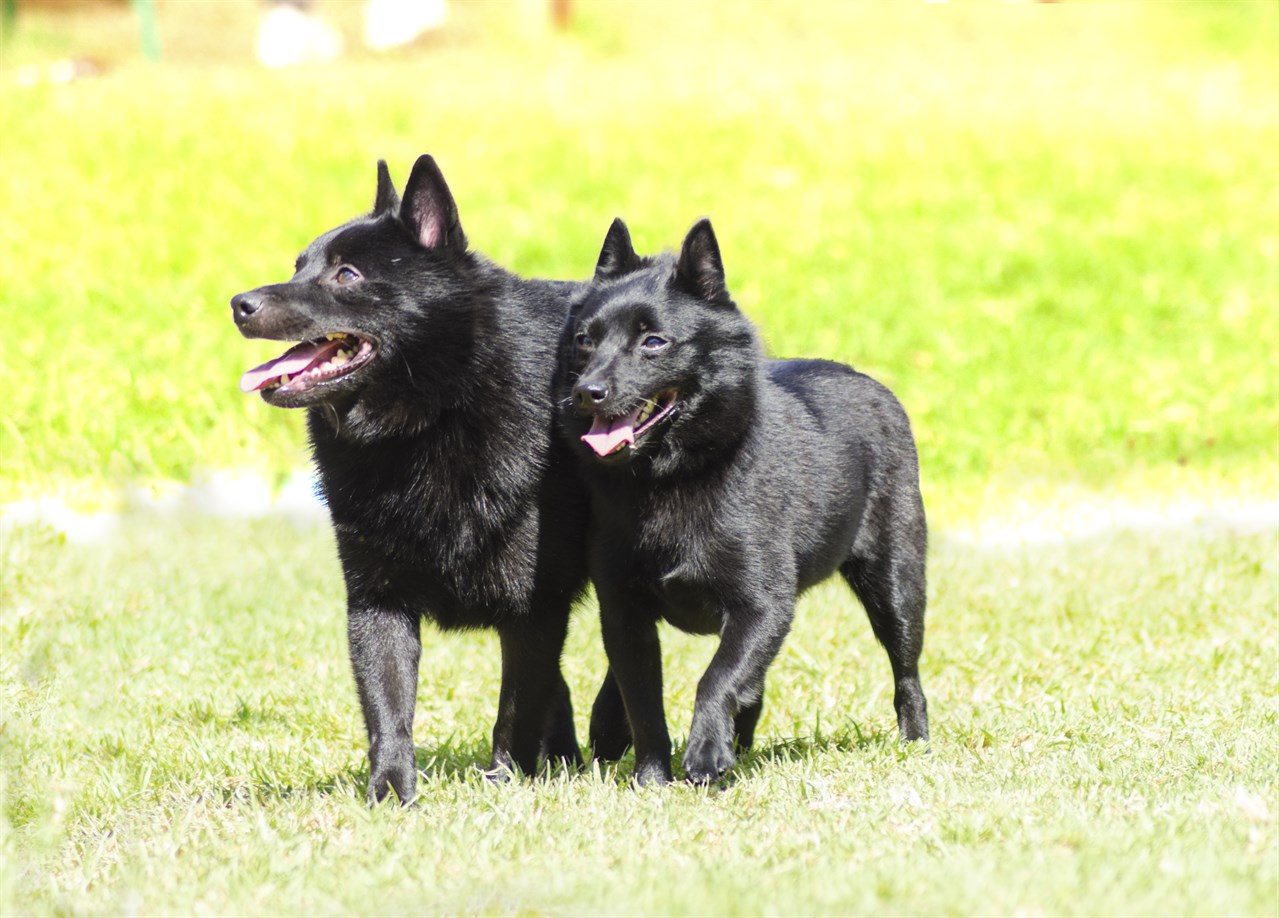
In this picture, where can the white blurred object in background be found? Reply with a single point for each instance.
(391, 23)
(290, 35)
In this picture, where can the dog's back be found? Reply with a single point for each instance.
(839, 444)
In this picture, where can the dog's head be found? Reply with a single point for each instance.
(662, 364)
(361, 294)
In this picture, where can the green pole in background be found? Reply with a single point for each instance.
(150, 33)
(8, 17)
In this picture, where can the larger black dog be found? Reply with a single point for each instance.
(428, 374)
(724, 484)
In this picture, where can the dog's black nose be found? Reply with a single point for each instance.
(244, 305)
(590, 394)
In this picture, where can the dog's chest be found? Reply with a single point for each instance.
(447, 537)
(683, 560)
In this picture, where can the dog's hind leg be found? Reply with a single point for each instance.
(385, 646)
(891, 586)
(610, 730)
(559, 744)
(533, 706)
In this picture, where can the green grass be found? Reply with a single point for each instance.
(181, 735)
(1051, 230)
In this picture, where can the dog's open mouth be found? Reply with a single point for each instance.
(310, 363)
(608, 436)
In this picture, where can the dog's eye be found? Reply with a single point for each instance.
(346, 275)
(583, 340)
(654, 343)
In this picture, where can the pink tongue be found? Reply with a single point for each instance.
(607, 436)
(294, 360)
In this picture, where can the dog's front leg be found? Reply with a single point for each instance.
(730, 691)
(385, 646)
(635, 661)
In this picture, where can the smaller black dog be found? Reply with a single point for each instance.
(723, 485)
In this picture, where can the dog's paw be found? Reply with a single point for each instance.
(392, 770)
(396, 782)
(707, 758)
(656, 773)
(498, 774)
(563, 763)
(610, 733)
(560, 750)
(609, 746)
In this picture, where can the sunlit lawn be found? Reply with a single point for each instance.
(1052, 229)
(182, 735)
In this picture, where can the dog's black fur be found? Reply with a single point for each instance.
(450, 494)
(753, 480)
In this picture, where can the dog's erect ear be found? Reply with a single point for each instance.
(700, 270)
(618, 255)
(428, 210)
(388, 199)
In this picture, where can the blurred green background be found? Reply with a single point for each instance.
(1053, 229)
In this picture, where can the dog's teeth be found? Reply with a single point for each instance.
(340, 358)
(284, 380)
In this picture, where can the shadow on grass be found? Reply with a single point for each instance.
(854, 740)
(451, 761)
(466, 762)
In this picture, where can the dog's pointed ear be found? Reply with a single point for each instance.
(700, 270)
(428, 209)
(388, 199)
(617, 257)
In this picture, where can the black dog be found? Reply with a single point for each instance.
(722, 486)
(428, 372)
